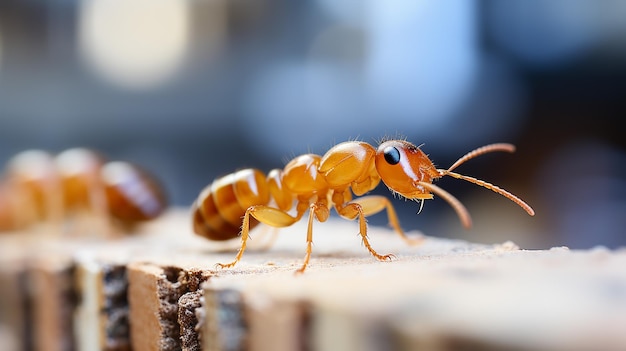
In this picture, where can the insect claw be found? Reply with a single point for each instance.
(222, 265)
(385, 258)
(389, 257)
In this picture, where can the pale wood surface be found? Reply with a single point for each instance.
(442, 295)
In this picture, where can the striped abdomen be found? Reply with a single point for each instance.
(220, 207)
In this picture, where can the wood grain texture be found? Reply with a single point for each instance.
(442, 295)
(145, 327)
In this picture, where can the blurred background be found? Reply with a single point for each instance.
(195, 89)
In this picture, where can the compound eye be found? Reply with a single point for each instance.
(392, 155)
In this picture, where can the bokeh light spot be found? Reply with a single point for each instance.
(136, 44)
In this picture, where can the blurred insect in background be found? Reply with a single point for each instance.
(318, 183)
(78, 183)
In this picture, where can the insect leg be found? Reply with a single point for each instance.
(352, 210)
(320, 211)
(374, 203)
(264, 214)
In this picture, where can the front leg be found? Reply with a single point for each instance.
(352, 210)
(375, 203)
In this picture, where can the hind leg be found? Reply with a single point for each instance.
(264, 214)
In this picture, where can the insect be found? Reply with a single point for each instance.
(318, 183)
(38, 188)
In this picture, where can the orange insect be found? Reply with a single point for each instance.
(38, 187)
(318, 183)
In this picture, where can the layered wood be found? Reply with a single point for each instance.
(162, 306)
(15, 303)
(162, 292)
(101, 316)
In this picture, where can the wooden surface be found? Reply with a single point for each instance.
(15, 321)
(146, 327)
(442, 295)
